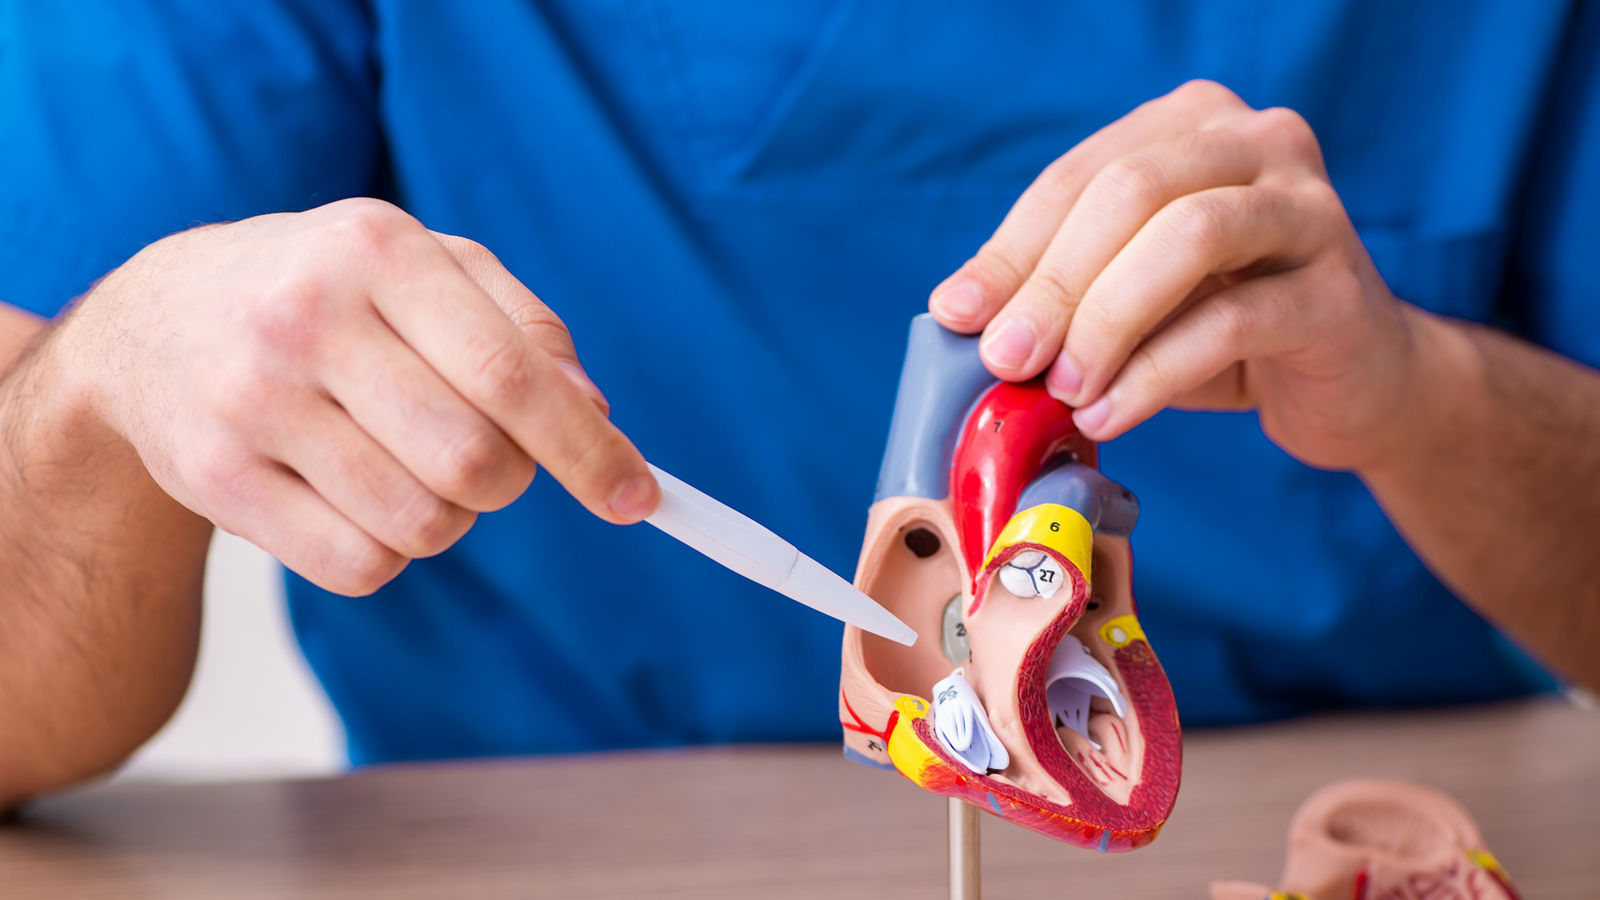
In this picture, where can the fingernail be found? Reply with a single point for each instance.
(1064, 378)
(1094, 416)
(582, 380)
(959, 303)
(1010, 347)
(635, 499)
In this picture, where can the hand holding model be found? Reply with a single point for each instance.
(1194, 254)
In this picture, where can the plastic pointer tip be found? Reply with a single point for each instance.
(743, 545)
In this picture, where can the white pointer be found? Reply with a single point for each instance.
(743, 545)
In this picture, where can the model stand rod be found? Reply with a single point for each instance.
(965, 877)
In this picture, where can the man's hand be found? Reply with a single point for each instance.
(1194, 254)
(343, 387)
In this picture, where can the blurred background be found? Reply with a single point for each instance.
(254, 710)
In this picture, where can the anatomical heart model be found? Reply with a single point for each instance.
(1032, 692)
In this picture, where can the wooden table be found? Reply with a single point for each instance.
(791, 822)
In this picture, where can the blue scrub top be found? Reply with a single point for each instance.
(737, 207)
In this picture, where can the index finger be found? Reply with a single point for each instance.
(968, 299)
(459, 330)
(522, 307)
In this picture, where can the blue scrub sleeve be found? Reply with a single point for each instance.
(1551, 293)
(124, 121)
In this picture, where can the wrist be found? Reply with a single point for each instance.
(1436, 414)
(52, 420)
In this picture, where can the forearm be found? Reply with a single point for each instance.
(100, 602)
(1494, 480)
